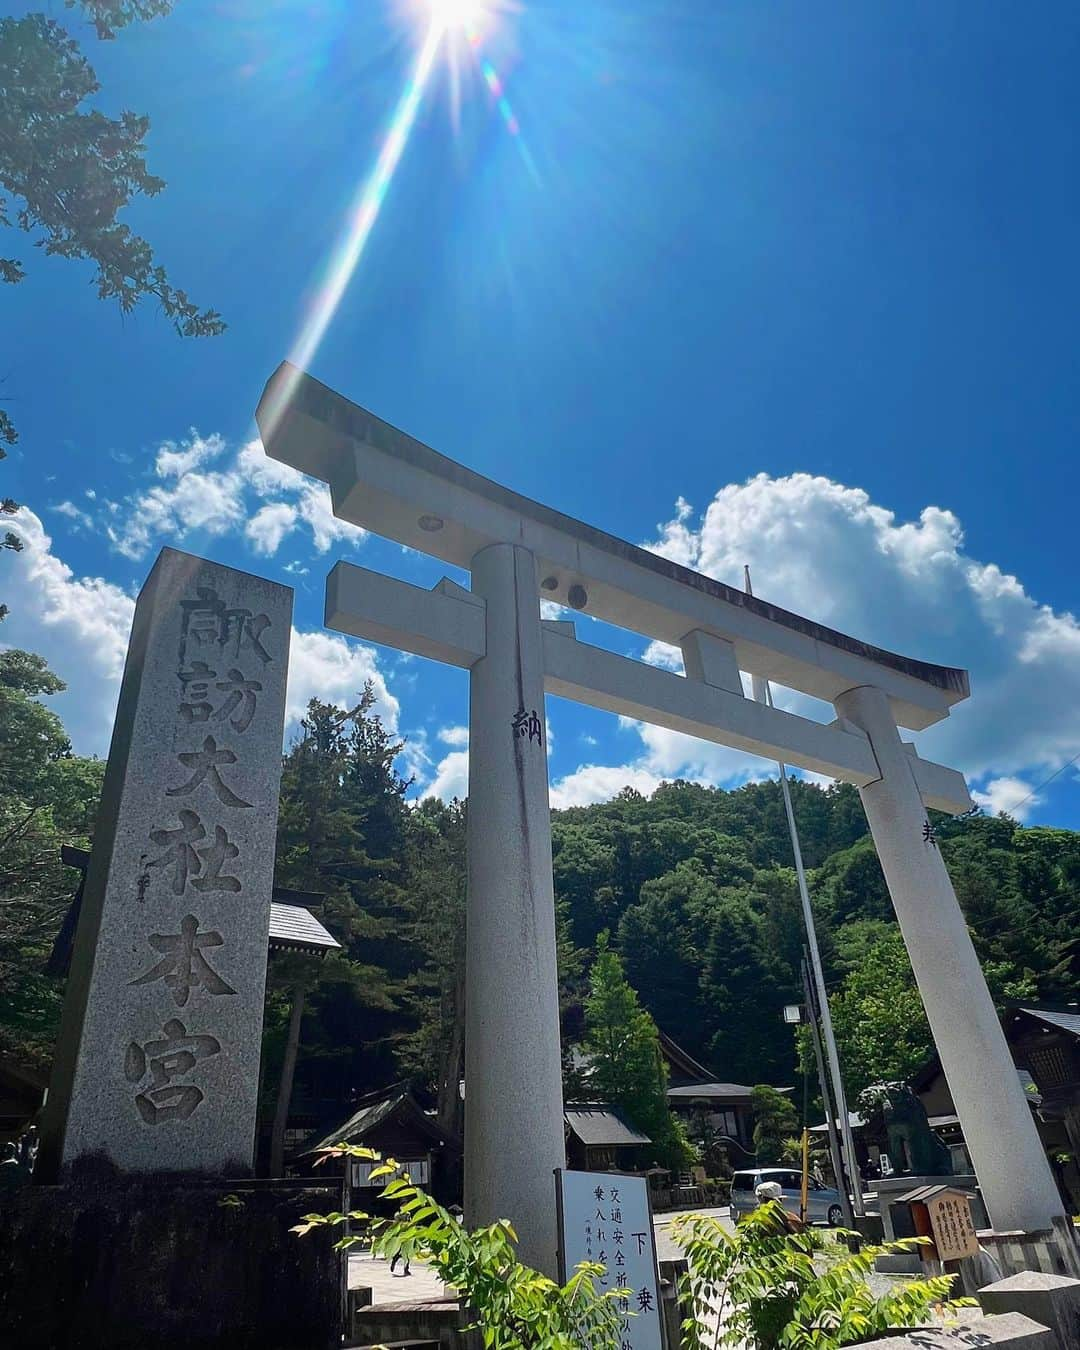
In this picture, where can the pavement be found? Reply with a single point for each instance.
(422, 1283)
(666, 1250)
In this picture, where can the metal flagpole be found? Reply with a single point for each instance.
(763, 694)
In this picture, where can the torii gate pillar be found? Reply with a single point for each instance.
(514, 1133)
(1008, 1156)
(516, 550)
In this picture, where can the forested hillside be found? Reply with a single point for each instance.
(694, 885)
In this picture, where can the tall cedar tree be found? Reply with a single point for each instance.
(627, 1068)
(340, 834)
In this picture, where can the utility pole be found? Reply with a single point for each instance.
(763, 694)
(826, 1096)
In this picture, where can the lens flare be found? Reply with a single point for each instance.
(364, 210)
(446, 19)
(455, 13)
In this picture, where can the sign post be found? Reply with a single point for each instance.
(605, 1217)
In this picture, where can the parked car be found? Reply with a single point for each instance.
(823, 1203)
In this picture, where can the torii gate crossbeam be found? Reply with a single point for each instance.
(518, 553)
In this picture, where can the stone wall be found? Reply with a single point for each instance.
(115, 1265)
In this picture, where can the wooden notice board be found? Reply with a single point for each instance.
(953, 1230)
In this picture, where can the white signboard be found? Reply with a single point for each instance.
(605, 1217)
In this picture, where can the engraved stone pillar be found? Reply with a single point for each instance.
(157, 1064)
(514, 1134)
(1000, 1134)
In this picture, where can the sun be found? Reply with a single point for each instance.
(455, 14)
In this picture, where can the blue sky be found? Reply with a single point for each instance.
(809, 270)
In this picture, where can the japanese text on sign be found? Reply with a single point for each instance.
(605, 1218)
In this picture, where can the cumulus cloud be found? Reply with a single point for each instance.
(81, 626)
(1011, 795)
(324, 666)
(827, 551)
(203, 491)
(450, 776)
(600, 782)
(269, 526)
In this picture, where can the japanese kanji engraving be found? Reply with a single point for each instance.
(177, 895)
(527, 724)
(168, 1059)
(184, 966)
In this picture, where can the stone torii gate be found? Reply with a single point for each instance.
(518, 553)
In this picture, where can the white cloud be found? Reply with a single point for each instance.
(200, 492)
(1012, 795)
(329, 668)
(600, 782)
(174, 460)
(451, 777)
(828, 552)
(81, 626)
(664, 655)
(74, 513)
(269, 526)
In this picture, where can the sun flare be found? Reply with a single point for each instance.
(448, 30)
(455, 14)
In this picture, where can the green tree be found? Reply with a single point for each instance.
(775, 1121)
(739, 976)
(880, 1024)
(434, 1052)
(48, 798)
(627, 1068)
(340, 834)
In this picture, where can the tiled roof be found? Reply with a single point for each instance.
(1064, 1021)
(739, 1091)
(358, 1125)
(602, 1125)
(297, 928)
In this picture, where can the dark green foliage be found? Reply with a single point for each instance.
(47, 798)
(341, 833)
(695, 885)
(73, 170)
(775, 1121)
(626, 1068)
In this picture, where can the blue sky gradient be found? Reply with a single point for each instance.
(731, 240)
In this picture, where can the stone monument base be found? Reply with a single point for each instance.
(1053, 1251)
(168, 1263)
